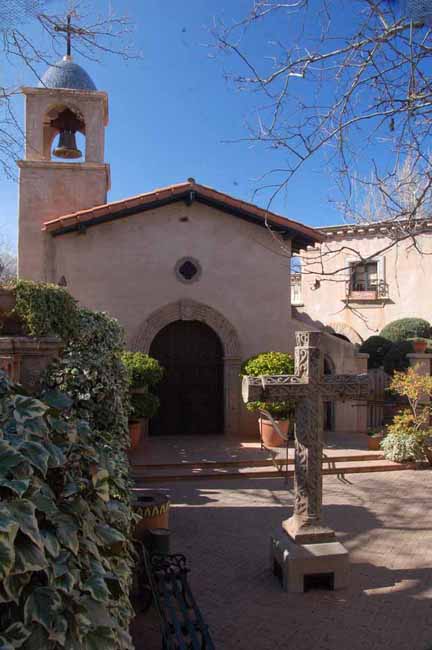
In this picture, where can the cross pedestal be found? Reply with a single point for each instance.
(305, 548)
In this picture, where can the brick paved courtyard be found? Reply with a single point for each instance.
(385, 522)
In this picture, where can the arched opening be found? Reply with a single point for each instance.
(328, 415)
(192, 391)
(68, 124)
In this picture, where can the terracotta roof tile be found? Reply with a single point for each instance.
(304, 235)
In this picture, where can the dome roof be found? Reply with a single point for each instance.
(67, 74)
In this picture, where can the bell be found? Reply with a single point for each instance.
(67, 146)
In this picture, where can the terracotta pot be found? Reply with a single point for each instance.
(419, 346)
(374, 443)
(269, 436)
(153, 508)
(134, 433)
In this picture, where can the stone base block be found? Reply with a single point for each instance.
(302, 565)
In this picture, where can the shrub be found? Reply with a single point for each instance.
(396, 358)
(46, 309)
(376, 347)
(142, 369)
(406, 328)
(402, 447)
(270, 363)
(65, 559)
(143, 405)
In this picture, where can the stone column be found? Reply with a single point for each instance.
(232, 395)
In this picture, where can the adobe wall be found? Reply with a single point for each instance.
(127, 267)
(406, 272)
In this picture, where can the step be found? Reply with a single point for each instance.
(263, 462)
(353, 467)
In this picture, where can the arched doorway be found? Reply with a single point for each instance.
(192, 391)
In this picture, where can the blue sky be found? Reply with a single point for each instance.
(172, 112)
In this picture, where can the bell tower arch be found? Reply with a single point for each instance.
(56, 177)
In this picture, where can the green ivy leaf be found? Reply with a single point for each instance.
(9, 458)
(7, 551)
(27, 408)
(18, 487)
(29, 557)
(44, 606)
(38, 638)
(56, 455)
(98, 614)
(14, 585)
(108, 535)
(67, 531)
(100, 482)
(36, 454)
(51, 543)
(101, 639)
(57, 400)
(23, 512)
(45, 504)
(96, 586)
(17, 634)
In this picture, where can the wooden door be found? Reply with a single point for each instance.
(191, 392)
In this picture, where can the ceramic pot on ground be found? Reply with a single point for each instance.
(419, 346)
(135, 427)
(153, 508)
(374, 443)
(269, 436)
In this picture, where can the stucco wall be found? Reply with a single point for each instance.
(407, 274)
(126, 267)
(46, 191)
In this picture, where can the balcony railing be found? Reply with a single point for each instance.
(377, 292)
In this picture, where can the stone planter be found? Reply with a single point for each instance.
(269, 436)
(374, 443)
(153, 508)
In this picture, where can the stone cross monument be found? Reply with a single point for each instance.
(308, 547)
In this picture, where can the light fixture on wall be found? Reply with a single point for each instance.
(62, 282)
(316, 285)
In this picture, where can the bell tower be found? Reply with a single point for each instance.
(55, 177)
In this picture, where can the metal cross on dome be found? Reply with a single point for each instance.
(68, 29)
(308, 387)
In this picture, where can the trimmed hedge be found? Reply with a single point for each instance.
(396, 358)
(376, 347)
(406, 328)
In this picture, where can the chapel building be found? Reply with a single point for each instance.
(195, 276)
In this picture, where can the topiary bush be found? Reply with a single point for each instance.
(270, 363)
(65, 556)
(406, 328)
(403, 447)
(142, 369)
(144, 373)
(396, 357)
(376, 347)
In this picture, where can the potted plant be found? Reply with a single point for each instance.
(419, 345)
(265, 364)
(375, 438)
(409, 435)
(144, 373)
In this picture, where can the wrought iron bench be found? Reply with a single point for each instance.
(181, 622)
